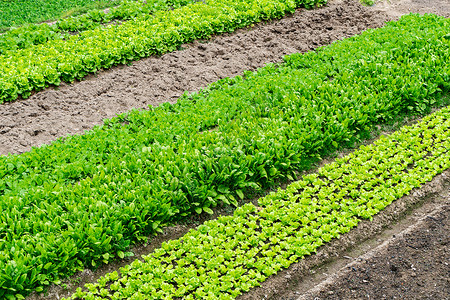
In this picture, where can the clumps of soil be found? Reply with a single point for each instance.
(368, 279)
(412, 265)
(396, 8)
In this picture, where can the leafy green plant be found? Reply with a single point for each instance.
(368, 2)
(84, 200)
(76, 56)
(34, 34)
(203, 267)
(15, 13)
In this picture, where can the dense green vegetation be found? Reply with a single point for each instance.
(84, 199)
(34, 68)
(28, 36)
(18, 12)
(127, 10)
(223, 258)
(35, 34)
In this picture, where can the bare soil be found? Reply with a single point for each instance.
(409, 260)
(397, 8)
(325, 275)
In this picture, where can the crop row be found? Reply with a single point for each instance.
(36, 34)
(34, 68)
(127, 10)
(84, 199)
(15, 13)
(223, 258)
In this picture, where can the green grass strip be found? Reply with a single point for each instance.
(223, 258)
(83, 200)
(37, 67)
(18, 12)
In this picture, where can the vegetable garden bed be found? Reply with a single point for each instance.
(18, 12)
(276, 129)
(38, 66)
(226, 257)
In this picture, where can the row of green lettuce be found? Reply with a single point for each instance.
(84, 199)
(127, 10)
(36, 34)
(34, 68)
(19, 12)
(224, 258)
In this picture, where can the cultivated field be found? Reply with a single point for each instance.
(291, 149)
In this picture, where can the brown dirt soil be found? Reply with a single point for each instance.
(413, 264)
(397, 8)
(74, 108)
(411, 259)
(311, 277)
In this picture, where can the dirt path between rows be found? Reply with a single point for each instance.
(402, 254)
(411, 264)
(71, 109)
(372, 261)
(411, 259)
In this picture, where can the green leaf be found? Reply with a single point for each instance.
(129, 254)
(223, 189)
(47, 265)
(57, 282)
(240, 194)
(208, 210)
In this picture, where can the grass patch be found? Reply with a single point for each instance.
(20, 12)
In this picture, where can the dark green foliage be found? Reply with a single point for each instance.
(84, 199)
(226, 257)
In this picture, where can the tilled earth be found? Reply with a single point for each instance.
(411, 265)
